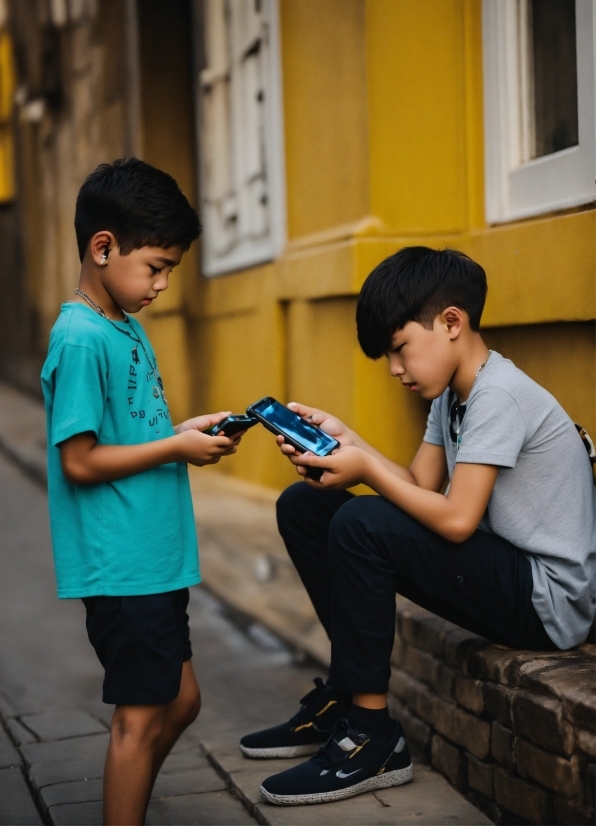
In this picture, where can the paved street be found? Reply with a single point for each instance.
(50, 688)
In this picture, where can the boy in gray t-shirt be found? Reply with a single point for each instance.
(492, 526)
(542, 500)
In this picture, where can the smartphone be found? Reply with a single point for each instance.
(231, 425)
(302, 435)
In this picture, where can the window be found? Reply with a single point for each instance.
(240, 135)
(539, 106)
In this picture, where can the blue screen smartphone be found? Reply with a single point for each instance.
(302, 435)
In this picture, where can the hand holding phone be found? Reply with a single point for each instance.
(300, 434)
(344, 468)
(326, 421)
(231, 425)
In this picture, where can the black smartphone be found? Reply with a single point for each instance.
(231, 425)
(302, 435)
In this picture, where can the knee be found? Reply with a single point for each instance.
(303, 515)
(299, 501)
(360, 517)
(136, 726)
(190, 709)
(292, 503)
(185, 709)
(351, 514)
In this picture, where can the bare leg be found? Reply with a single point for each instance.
(140, 740)
(372, 701)
(136, 730)
(179, 714)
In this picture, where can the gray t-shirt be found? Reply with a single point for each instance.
(543, 501)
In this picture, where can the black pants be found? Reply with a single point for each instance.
(353, 553)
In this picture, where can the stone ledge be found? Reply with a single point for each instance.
(513, 730)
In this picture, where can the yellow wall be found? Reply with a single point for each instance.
(560, 357)
(7, 85)
(238, 344)
(324, 90)
(384, 148)
(425, 114)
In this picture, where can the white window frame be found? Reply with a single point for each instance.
(518, 188)
(246, 248)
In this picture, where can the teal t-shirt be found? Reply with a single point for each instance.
(135, 535)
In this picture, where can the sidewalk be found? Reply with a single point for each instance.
(51, 680)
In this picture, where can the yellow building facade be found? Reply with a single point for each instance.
(384, 147)
(383, 113)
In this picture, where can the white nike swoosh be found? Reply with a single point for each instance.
(401, 744)
(342, 774)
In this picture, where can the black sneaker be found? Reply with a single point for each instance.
(306, 731)
(349, 763)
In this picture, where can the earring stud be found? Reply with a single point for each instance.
(104, 260)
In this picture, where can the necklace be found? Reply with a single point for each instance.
(96, 307)
(152, 366)
(457, 412)
(480, 369)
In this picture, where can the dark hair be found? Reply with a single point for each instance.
(416, 284)
(140, 204)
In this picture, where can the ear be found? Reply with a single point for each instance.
(454, 321)
(101, 243)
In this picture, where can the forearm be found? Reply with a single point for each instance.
(396, 470)
(431, 509)
(106, 463)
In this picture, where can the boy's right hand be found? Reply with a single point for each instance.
(330, 424)
(200, 449)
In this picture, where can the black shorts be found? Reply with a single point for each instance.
(141, 642)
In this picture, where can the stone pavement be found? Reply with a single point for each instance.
(56, 729)
(23, 431)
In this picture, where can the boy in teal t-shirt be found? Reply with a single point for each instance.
(121, 515)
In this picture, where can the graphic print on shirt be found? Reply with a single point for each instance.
(132, 385)
(151, 377)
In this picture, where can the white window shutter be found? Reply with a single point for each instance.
(219, 202)
(248, 50)
(240, 136)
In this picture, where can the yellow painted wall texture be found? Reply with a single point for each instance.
(415, 54)
(560, 357)
(384, 148)
(325, 109)
(7, 86)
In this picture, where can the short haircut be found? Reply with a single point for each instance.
(416, 284)
(141, 205)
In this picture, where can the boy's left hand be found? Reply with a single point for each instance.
(203, 422)
(345, 467)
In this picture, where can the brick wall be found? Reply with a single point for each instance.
(512, 730)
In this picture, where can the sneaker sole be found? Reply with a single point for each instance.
(281, 751)
(394, 778)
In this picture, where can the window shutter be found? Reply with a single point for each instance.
(220, 202)
(241, 177)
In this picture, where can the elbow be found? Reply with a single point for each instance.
(458, 531)
(76, 473)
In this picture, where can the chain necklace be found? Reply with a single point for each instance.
(96, 307)
(153, 367)
(458, 410)
(480, 369)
